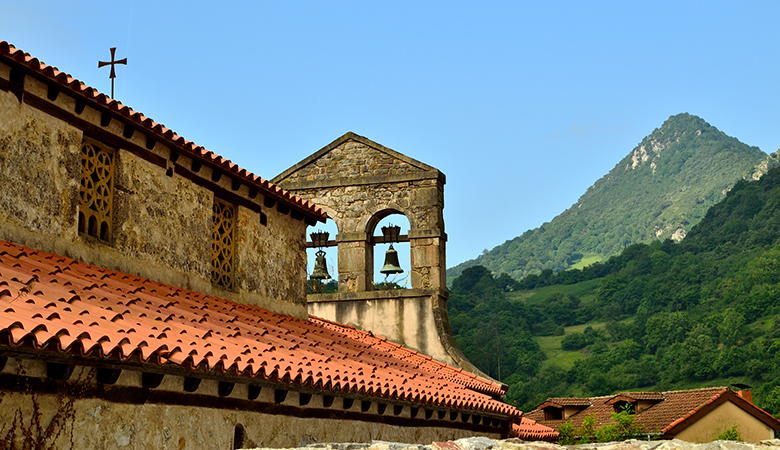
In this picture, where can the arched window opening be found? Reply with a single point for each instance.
(392, 260)
(238, 436)
(322, 258)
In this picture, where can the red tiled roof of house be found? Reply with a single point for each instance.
(641, 395)
(51, 303)
(567, 401)
(713, 402)
(668, 413)
(530, 430)
(188, 147)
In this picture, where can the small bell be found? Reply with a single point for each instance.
(391, 262)
(320, 271)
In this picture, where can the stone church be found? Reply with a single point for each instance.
(153, 293)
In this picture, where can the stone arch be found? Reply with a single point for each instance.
(376, 250)
(358, 182)
(370, 222)
(332, 227)
(332, 215)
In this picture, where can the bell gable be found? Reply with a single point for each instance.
(351, 158)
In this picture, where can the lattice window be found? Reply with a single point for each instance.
(223, 244)
(97, 191)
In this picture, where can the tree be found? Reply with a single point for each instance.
(730, 326)
(771, 401)
(665, 328)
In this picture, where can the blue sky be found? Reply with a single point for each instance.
(522, 105)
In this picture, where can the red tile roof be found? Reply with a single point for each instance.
(566, 401)
(530, 430)
(51, 303)
(78, 87)
(725, 395)
(669, 414)
(637, 396)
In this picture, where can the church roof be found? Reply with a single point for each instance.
(52, 304)
(530, 430)
(159, 130)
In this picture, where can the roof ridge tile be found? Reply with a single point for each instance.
(53, 73)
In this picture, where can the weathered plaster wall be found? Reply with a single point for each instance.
(272, 258)
(416, 318)
(722, 418)
(71, 416)
(405, 315)
(481, 443)
(161, 220)
(39, 170)
(98, 424)
(162, 225)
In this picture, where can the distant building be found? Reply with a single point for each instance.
(152, 295)
(694, 415)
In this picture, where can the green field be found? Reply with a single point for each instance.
(586, 261)
(541, 296)
(557, 357)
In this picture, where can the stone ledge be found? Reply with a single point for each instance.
(374, 295)
(362, 181)
(483, 443)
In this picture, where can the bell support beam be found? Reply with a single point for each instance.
(374, 240)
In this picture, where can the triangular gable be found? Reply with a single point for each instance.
(726, 396)
(392, 160)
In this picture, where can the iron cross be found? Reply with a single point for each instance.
(111, 63)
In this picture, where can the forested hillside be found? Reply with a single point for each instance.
(658, 191)
(663, 315)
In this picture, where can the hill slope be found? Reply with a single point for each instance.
(657, 316)
(658, 191)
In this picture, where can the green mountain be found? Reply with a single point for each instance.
(658, 191)
(664, 315)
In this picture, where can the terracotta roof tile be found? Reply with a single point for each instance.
(56, 304)
(569, 401)
(672, 409)
(102, 100)
(530, 430)
(642, 395)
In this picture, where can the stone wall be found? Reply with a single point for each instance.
(359, 182)
(272, 258)
(405, 314)
(482, 443)
(357, 209)
(352, 160)
(161, 224)
(43, 413)
(96, 423)
(161, 220)
(416, 318)
(39, 170)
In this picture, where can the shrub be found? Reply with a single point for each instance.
(729, 434)
(567, 434)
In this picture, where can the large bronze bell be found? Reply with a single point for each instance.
(391, 262)
(320, 271)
